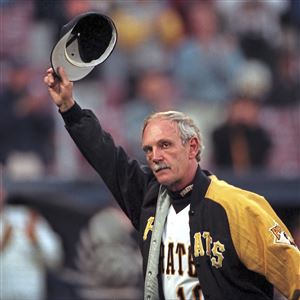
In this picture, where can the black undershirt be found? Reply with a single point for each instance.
(179, 202)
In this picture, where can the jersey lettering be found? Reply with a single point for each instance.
(180, 254)
(199, 250)
(217, 250)
(212, 249)
(180, 250)
(170, 261)
(192, 268)
(179, 278)
(208, 241)
(196, 292)
(149, 227)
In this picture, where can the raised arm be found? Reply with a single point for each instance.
(60, 89)
(124, 177)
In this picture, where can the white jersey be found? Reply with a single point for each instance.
(179, 277)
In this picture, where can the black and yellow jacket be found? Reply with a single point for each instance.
(241, 249)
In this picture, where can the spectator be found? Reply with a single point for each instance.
(137, 24)
(29, 247)
(256, 24)
(16, 18)
(286, 87)
(254, 80)
(283, 125)
(240, 143)
(103, 255)
(207, 61)
(26, 122)
(146, 29)
(154, 91)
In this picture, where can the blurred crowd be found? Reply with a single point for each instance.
(51, 248)
(232, 65)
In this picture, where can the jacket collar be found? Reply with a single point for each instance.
(201, 183)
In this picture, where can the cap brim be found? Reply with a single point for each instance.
(70, 59)
(59, 59)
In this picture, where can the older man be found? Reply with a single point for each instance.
(199, 236)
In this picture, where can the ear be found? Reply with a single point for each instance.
(194, 147)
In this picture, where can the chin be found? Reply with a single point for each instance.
(166, 180)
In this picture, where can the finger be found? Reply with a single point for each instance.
(49, 80)
(46, 79)
(49, 73)
(63, 75)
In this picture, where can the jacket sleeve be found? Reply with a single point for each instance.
(124, 177)
(265, 245)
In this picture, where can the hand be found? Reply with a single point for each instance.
(8, 230)
(30, 229)
(60, 90)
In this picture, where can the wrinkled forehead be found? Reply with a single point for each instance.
(160, 128)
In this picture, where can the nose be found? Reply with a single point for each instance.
(156, 155)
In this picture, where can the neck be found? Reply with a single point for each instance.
(180, 185)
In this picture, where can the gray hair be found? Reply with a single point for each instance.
(187, 127)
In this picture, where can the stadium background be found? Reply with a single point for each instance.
(248, 48)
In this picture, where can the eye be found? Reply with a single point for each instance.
(165, 145)
(147, 149)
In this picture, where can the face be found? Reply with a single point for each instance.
(244, 112)
(172, 163)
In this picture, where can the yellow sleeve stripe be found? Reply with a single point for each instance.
(261, 240)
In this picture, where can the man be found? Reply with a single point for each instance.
(29, 248)
(197, 234)
(241, 143)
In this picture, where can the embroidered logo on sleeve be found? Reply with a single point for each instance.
(281, 237)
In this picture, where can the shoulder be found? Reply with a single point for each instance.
(236, 201)
(247, 213)
(220, 131)
(16, 213)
